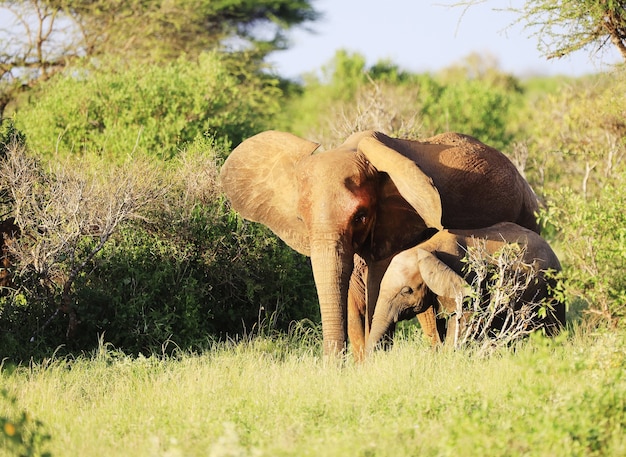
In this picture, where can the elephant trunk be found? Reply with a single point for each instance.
(332, 267)
(383, 319)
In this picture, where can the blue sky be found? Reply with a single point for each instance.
(425, 35)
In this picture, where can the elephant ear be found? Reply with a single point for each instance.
(413, 184)
(259, 179)
(440, 278)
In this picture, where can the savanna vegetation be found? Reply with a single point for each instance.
(140, 315)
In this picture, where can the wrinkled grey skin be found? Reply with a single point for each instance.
(372, 196)
(428, 276)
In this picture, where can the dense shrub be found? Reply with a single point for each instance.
(121, 109)
(475, 99)
(575, 135)
(578, 166)
(189, 270)
(592, 237)
(60, 219)
(213, 276)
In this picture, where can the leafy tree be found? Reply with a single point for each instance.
(564, 26)
(48, 35)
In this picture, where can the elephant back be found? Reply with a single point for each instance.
(479, 185)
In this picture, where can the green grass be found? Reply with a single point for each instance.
(277, 397)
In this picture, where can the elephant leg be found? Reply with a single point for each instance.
(457, 328)
(452, 332)
(442, 327)
(375, 273)
(357, 309)
(428, 322)
(455, 319)
(356, 323)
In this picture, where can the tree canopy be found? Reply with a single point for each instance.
(564, 26)
(41, 37)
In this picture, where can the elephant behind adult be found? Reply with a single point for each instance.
(373, 196)
(357, 311)
(430, 276)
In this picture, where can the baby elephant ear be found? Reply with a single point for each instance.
(413, 184)
(440, 278)
(259, 179)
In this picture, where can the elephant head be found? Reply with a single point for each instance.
(416, 283)
(373, 196)
(428, 277)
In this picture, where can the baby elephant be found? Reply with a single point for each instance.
(427, 278)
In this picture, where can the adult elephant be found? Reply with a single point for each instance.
(372, 196)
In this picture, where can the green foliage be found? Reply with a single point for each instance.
(587, 136)
(9, 134)
(62, 219)
(564, 27)
(164, 30)
(474, 98)
(578, 165)
(592, 236)
(156, 110)
(473, 107)
(152, 32)
(212, 275)
(20, 434)
(189, 270)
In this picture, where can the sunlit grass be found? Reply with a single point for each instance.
(269, 396)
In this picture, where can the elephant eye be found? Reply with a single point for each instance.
(406, 290)
(360, 217)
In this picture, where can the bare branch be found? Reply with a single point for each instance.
(66, 216)
(500, 281)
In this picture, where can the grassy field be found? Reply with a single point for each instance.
(277, 397)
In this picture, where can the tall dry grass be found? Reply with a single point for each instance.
(271, 396)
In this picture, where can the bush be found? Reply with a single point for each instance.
(576, 136)
(350, 97)
(471, 106)
(120, 109)
(212, 276)
(500, 312)
(578, 164)
(592, 237)
(186, 269)
(62, 219)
